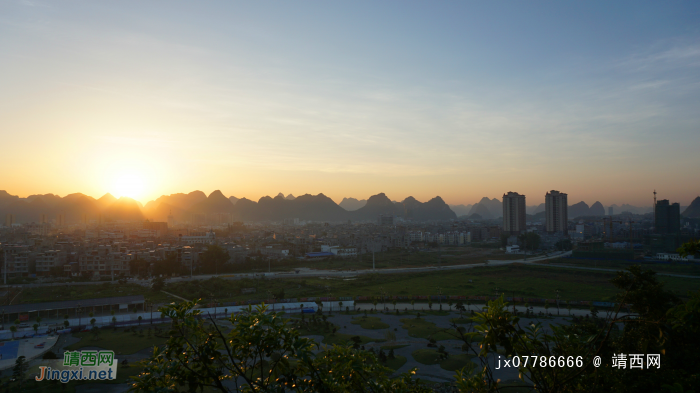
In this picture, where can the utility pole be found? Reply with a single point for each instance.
(372, 254)
(5, 268)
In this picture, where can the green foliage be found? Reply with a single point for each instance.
(369, 323)
(690, 248)
(529, 241)
(661, 324)
(213, 259)
(158, 284)
(199, 354)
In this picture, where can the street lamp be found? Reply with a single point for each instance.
(381, 292)
(78, 311)
(330, 303)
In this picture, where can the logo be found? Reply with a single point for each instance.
(81, 366)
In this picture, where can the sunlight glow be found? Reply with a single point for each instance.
(129, 184)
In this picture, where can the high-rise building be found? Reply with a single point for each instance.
(387, 220)
(43, 219)
(668, 217)
(556, 212)
(610, 211)
(9, 220)
(513, 213)
(60, 220)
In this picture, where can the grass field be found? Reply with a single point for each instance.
(432, 356)
(420, 328)
(461, 321)
(333, 338)
(514, 280)
(369, 323)
(397, 346)
(119, 341)
(78, 292)
(671, 268)
(396, 363)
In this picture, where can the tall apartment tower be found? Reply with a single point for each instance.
(513, 213)
(556, 212)
(668, 217)
(9, 220)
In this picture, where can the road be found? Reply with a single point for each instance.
(306, 272)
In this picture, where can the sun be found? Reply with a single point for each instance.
(128, 184)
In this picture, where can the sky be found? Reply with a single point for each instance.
(411, 98)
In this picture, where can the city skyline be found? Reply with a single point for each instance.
(460, 100)
(531, 201)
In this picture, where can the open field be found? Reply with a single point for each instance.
(382, 260)
(670, 268)
(518, 280)
(420, 328)
(120, 341)
(77, 292)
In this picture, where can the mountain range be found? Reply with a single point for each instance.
(185, 207)
(73, 207)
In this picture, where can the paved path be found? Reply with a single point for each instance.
(428, 372)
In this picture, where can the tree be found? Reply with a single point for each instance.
(38, 320)
(504, 240)
(529, 240)
(36, 328)
(449, 303)
(430, 304)
(393, 301)
(92, 322)
(140, 318)
(213, 259)
(690, 248)
(66, 323)
(13, 329)
(374, 303)
(114, 321)
(460, 307)
(20, 370)
(564, 245)
(413, 303)
(200, 355)
(661, 324)
(158, 284)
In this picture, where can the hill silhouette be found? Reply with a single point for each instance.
(693, 211)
